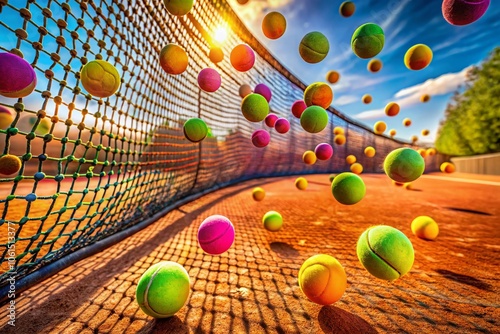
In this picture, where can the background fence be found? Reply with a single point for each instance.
(488, 164)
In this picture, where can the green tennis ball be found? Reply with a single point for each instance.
(314, 119)
(385, 252)
(10, 164)
(314, 47)
(404, 165)
(100, 78)
(348, 188)
(272, 221)
(195, 130)
(163, 289)
(178, 7)
(367, 41)
(255, 107)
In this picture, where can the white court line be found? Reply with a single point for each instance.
(490, 183)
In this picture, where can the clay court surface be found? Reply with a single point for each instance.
(453, 286)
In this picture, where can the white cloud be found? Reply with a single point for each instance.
(345, 99)
(370, 114)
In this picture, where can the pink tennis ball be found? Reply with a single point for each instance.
(298, 108)
(271, 120)
(463, 12)
(216, 235)
(209, 80)
(323, 151)
(260, 138)
(17, 77)
(282, 125)
(264, 91)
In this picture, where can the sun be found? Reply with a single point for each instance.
(220, 34)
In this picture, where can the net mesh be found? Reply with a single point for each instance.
(93, 167)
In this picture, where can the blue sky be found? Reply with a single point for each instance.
(405, 23)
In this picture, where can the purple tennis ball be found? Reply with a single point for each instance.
(463, 12)
(271, 120)
(282, 125)
(17, 77)
(298, 108)
(209, 80)
(323, 151)
(260, 138)
(264, 91)
(216, 235)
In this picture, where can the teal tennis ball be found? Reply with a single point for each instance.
(367, 41)
(348, 188)
(314, 119)
(178, 7)
(10, 164)
(163, 289)
(385, 252)
(100, 78)
(272, 221)
(17, 76)
(255, 107)
(404, 165)
(195, 130)
(314, 47)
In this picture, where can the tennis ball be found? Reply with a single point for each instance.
(431, 151)
(258, 194)
(260, 138)
(422, 152)
(270, 120)
(367, 99)
(332, 77)
(414, 139)
(338, 130)
(407, 122)
(301, 183)
(425, 227)
(216, 235)
(408, 186)
(374, 65)
(347, 8)
(255, 107)
(369, 152)
(173, 59)
(245, 90)
(100, 78)
(323, 151)
(447, 167)
(425, 98)
(242, 58)
(264, 91)
(282, 125)
(350, 159)
(339, 139)
(418, 57)
(314, 47)
(314, 119)
(179, 7)
(298, 108)
(392, 109)
(318, 94)
(379, 127)
(348, 188)
(463, 12)
(272, 221)
(356, 168)
(216, 54)
(43, 126)
(332, 177)
(209, 80)
(242, 2)
(17, 76)
(368, 40)
(163, 289)
(195, 130)
(309, 157)
(425, 132)
(322, 279)
(10, 164)
(6, 117)
(404, 165)
(392, 133)
(385, 252)
(273, 25)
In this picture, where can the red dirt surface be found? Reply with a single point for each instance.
(453, 286)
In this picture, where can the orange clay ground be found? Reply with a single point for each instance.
(453, 286)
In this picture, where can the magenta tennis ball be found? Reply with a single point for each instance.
(404, 165)
(17, 76)
(298, 108)
(282, 125)
(367, 41)
(314, 47)
(195, 130)
(6, 117)
(270, 120)
(314, 119)
(179, 7)
(323, 151)
(348, 188)
(255, 107)
(209, 80)
(264, 91)
(463, 12)
(216, 235)
(260, 138)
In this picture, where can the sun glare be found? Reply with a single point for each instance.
(220, 34)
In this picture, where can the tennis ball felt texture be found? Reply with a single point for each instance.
(6, 117)
(447, 167)
(301, 183)
(338, 130)
(17, 76)
(298, 108)
(350, 159)
(282, 125)
(245, 90)
(322, 279)
(216, 235)
(356, 168)
(425, 98)
(314, 119)
(209, 80)
(100, 78)
(425, 227)
(407, 122)
(323, 151)
(255, 107)
(258, 194)
(163, 289)
(404, 165)
(173, 59)
(270, 120)
(392, 109)
(264, 91)
(272, 221)
(260, 138)
(392, 133)
(216, 55)
(367, 40)
(309, 157)
(273, 25)
(339, 139)
(332, 77)
(464, 12)
(195, 130)
(318, 94)
(367, 99)
(242, 58)
(418, 57)
(9, 164)
(314, 47)
(379, 127)
(347, 8)
(348, 188)
(374, 65)
(179, 7)
(370, 152)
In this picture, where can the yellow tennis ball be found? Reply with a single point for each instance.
(418, 57)
(350, 159)
(407, 122)
(258, 194)
(309, 157)
(301, 183)
(216, 54)
(9, 164)
(431, 151)
(6, 117)
(425, 227)
(370, 152)
(379, 127)
(367, 99)
(425, 132)
(357, 168)
(392, 109)
(173, 59)
(422, 152)
(100, 78)
(339, 139)
(338, 130)
(408, 186)
(392, 133)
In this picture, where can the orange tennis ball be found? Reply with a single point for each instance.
(301, 183)
(367, 99)
(447, 167)
(425, 227)
(425, 98)
(258, 194)
(431, 151)
(9, 164)
(350, 159)
(407, 122)
(216, 54)
(414, 139)
(425, 132)
(370, 152)
(392, 133)
(6, 117)
(422, 152)
(245, 90)
(273, 25)
(392, 109)
(356, 168)
(242, 58)
(332, 77)
(347, 8)
(309, 157)
(339, 139)
(338, 130)
(379, 127)
(418, 57)
(374, 65)
(318, 94)
(173, 59)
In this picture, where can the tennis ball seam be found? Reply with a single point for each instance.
(218, 237)
(313, 51)
(378, 255)
(146, 293)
